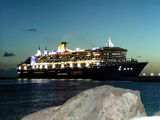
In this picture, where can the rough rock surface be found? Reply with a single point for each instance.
(157, 114)
(147, 118)
(100, 103)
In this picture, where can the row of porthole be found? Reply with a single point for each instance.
(62, 66)
(120, 68)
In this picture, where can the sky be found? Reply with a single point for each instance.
(27, 24)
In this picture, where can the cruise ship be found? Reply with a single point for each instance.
(95, 63)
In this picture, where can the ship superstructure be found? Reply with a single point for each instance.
(96, 62)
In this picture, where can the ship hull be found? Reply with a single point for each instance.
(125, 70)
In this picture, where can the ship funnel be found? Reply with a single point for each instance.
(109, 43)
(62, 47)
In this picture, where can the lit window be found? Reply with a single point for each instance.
(62, 65)
(131, 68)
(41, 66)
(37, 66)
(79, 65)
(53, 66)
(87, 64)
(33, 67)
(127, 68)
(46, 66)
(97, 63)
(71, 65)
(119, 69)
(25, 67)
(124, 69)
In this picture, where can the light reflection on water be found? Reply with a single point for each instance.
(25, 96)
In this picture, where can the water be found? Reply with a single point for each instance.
(19, 98)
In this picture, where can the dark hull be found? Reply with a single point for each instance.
(125, 70)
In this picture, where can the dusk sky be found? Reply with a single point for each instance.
(27, 24)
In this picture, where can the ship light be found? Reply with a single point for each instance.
(45, 52)
(71, 65)
(41, 66)
(54, 53)
(127, 68)
(33, 60)
(33, 67)
(144, 74)
(77, 49)
(19, 68)
(131, 68)
(124, 69)
(94, 48)
(79, 65)
(25, 67)
(87, 64)
(62, 66)
(18, 72)
(53, 66)
(46, 66)
(152, 74)
(159, 74)
(37, 66)
(97, 63)
(119, 69)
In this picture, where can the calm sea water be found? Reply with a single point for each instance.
(19, 98)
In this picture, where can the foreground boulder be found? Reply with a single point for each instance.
(100, 103)
(157, 114)
(147, 118)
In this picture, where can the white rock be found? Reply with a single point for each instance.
(100, 103)
(147, 118)
(157, 114)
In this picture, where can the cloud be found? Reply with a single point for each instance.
(31, 30)
(6, 54)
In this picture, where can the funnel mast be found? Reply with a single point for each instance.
(109, 43)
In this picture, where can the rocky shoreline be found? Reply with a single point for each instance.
(99, 103)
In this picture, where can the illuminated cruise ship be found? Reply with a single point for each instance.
(98, 62)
